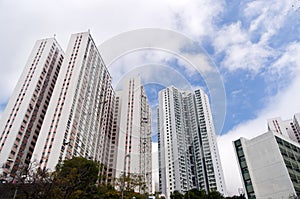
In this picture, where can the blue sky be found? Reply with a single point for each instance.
(255, 46)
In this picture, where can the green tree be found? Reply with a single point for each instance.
(111, 194)
(76, 178)
(195, 194)
(130, 182)
(176, 195)
(28, 182)
(241, 196)
(107, 191)
(215, 195)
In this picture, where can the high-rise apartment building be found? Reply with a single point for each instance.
(65, 106)
(22, 120)
(269, 166)
(79, 117)
(289, 128)
(188, 152)
(131, 147)
(209, 161)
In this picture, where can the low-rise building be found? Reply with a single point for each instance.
(269, 165)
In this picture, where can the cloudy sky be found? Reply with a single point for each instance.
(250, 48)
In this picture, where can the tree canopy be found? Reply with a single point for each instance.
(76, 178)
(80, 178)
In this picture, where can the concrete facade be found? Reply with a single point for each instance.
(188, 151)
(79, 119)
(269, 166)
(131, 149)
(21, 122)
(288, 128)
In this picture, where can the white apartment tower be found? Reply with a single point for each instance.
(289, 128)
(209, 161)
(21, 122)
(131, 146)
(188, 152)
(79, 117)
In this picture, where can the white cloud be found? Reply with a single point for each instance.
(152, 66)
(290, 58)
(36, 20)
(285, 68)
(267, 17)
(8, 80)
(230, 35)
(240, 52)
(25, 22)
(247, 56)
(197, 18)
(249, 46)
(196, 63)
